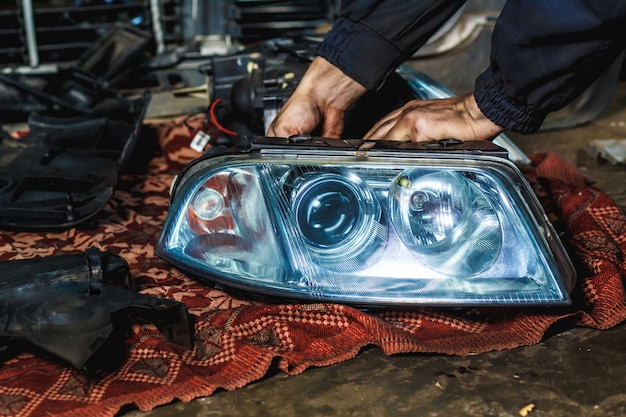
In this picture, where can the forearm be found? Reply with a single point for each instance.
(544, 54)
(370, 38)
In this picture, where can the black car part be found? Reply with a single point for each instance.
(254, 84)
(65, 169)
(70, 305)
(81, 133)
(85, 87)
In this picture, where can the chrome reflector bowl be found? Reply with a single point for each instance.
(367, 224)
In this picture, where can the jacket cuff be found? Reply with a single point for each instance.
(359, 53)
(500, 109)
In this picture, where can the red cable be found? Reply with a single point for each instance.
(214, 119)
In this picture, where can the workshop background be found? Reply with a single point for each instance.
(147, 73)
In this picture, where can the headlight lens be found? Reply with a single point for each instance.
(339, 219)
(383, 229)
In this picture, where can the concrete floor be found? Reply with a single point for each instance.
(578, 372)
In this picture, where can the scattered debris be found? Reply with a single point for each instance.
(524, 411)
(611, 150)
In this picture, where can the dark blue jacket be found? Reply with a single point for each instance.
(543, 53)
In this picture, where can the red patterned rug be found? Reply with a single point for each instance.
(237, 339)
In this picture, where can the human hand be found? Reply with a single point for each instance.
(321, 99)
(427, 120)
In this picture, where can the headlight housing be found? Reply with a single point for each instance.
(367, 223)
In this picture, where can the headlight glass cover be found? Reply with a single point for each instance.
(378, 226)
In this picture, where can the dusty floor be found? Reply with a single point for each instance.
(579, 372)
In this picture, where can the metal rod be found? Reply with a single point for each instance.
(31, 35)
(157, 27)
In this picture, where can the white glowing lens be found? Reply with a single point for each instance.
(445, 219)
(382, 228)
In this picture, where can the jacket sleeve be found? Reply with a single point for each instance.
(546, 53)
(370, 38)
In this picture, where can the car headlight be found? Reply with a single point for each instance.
(383, 223)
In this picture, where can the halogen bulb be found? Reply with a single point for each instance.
(208, 204)
(436, 212)
(418, 199)
(444, 219)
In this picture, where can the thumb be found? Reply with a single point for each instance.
(333, 125)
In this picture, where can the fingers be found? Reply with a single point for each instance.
(282, 130)
(285, 125)
(396, 126)
(333, 124)
(381, 129)
(427, 120)
(302, 115)
(297, 116)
